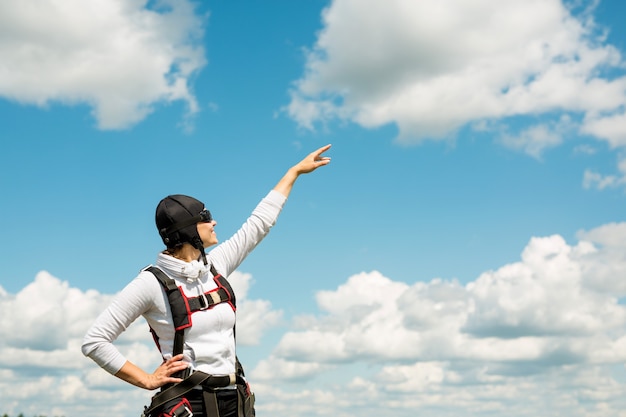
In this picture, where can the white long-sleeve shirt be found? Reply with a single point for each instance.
(209, 342)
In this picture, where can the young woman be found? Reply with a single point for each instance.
(208, 347)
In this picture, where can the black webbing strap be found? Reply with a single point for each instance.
(166, 281)
(211, 409)
(187, 384)
(207, 300)
(170, 285)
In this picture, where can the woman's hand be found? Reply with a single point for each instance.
(310, 163)
(313, 161)
(162, 375)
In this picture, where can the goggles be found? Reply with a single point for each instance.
(205, 216)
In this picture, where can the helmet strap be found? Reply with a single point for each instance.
(197, 243)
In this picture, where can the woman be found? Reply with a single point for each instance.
(208, 347)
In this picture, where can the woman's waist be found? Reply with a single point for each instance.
(211, 382)
(211, 361)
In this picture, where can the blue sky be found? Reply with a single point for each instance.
(463, 250)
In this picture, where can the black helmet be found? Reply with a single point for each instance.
(176, 218)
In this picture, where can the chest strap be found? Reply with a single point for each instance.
(183, 307)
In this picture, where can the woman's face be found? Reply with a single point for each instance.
(206, 230)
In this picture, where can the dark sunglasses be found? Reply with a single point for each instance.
(205, 216)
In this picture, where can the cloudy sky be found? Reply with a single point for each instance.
(463, 254)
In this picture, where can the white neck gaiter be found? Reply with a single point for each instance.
(191, 271)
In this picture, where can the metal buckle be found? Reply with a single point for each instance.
(189, 412)
(204, 303)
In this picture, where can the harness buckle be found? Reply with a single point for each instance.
(204, 302)
(185, 413)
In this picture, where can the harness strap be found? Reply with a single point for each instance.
(210, 404)
(208, 299)
(195, 379)
(184, 306)
(172, 292)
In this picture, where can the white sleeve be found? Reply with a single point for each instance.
(134, 300)
(228, 255)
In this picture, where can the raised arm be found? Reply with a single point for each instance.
(310, 163)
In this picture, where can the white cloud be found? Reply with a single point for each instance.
(432, 67)
(592, 179)
(543, 295)
(549, 327)
(534, 140)
(254, 317)
(43, 326)
(612, 128)
(118, 57)
(611, 236)
(604, 267)
(267, 369)
(51, 313)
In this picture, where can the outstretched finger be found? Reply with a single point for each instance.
(321, 150)
(317, 155)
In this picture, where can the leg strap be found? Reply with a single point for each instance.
(210, 404)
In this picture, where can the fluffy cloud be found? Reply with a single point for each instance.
(610, 127)
(600, 181)
(254, 317)
(525, 311)
(50, 314)
(119, 57)
(549, 327)
(43, 326)
(432, 68)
